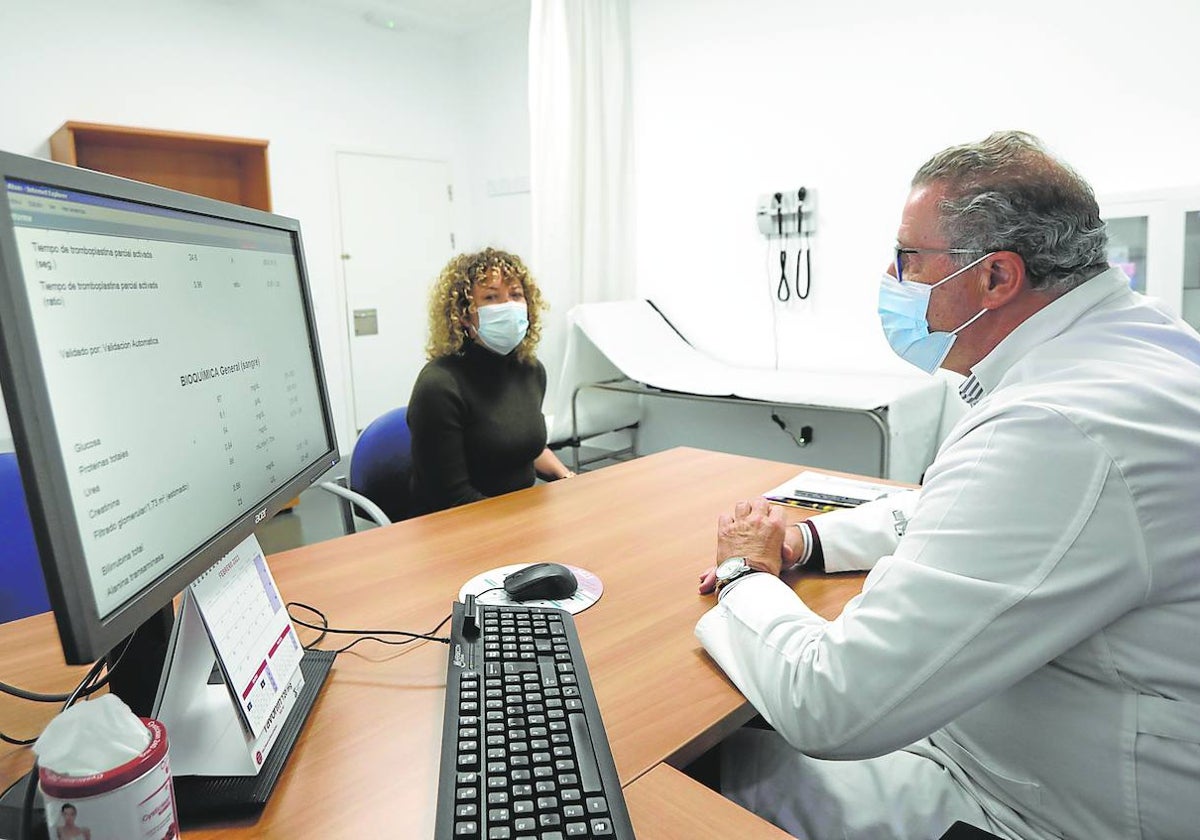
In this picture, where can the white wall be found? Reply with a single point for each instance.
(307, 81)
(496, 83)
(734, 99)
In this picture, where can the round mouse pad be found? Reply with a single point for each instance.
(589, 591)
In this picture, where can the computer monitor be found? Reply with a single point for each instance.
(163, 382)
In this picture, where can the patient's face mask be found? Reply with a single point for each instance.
(904, 315)
(502, 326)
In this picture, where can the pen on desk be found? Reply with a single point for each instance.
(806, 505)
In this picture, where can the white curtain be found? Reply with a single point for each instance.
(581, 164)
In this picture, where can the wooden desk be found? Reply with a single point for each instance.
(368, 758)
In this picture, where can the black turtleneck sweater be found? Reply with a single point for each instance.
(477, 426)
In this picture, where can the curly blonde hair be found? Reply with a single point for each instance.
(450, 302)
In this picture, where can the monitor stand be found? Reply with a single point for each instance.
(205, 799)
(231, 726)
(135, 666)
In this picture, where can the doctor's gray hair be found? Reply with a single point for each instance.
(1008, 193)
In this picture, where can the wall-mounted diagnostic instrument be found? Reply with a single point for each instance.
(789, 219)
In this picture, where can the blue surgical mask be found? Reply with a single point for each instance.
(904, 315)
(502, 326)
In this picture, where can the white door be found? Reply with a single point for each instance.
(396, 237)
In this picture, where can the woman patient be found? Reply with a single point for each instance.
(476, 409)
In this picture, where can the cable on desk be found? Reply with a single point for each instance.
(324, 622)
(26, 694)
(18, 742)
(373, 635)
(87, 687)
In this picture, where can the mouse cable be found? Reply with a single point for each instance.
(324, 628)
(320, 615)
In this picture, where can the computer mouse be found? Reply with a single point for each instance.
(541, 580)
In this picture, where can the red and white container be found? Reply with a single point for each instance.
(135, 801)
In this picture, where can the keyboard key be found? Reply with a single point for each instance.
(602, 828)
(596, 804)
(588, 770)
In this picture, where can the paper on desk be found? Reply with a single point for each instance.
(821, 489)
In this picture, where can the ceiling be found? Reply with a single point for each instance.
(447, 17)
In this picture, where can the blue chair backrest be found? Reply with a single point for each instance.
(22, 588)
(382, 462)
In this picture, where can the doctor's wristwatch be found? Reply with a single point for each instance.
(731, 569)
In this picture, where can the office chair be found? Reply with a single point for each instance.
(22, 588)
(379, 471)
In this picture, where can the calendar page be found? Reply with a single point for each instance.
(250, 630)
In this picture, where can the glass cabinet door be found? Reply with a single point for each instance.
(1127, 239)
(1191, 269)
(1155, 237)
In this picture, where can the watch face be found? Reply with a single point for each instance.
(730, 567)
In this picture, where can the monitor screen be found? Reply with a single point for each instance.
(163, 382)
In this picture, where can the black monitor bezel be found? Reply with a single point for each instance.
(84, 635)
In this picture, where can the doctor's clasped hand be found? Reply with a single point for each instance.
(756, 531)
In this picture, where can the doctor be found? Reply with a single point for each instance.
(1024, 656)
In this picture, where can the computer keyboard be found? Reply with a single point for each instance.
(524, 753)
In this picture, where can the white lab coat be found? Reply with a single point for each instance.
(1036, 630)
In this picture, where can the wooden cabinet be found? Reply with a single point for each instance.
(231, 169)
